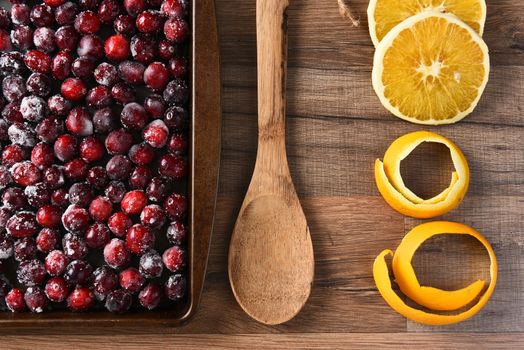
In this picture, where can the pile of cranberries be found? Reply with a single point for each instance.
(93, 141)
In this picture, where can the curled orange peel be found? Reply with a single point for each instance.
(391, 185)
(432, 298)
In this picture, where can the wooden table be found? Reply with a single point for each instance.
(336, 129)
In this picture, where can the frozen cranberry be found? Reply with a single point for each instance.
(150, 22)
(176, 92)
(81, 299)
(11, 63)
(13, 87)
(119, 223)
(99, 97)
(156, 134)
(178, 144)
(25, 249)
(31, 273)
(49, 129)
(89, 4)
(87, 22)
(35, 299)
(175, 8)
(175, 287)
(76, 169)
(20, 14)
(141, 154)
(22, 134)
(100, 209)
(143, 48)
(176, 118)
(104, 120)
(66, 13)
(153, 216)
(119, 301)
(91, 149)
(59, 105)
(26, 173)
(97, 236)
(105, 280)
(123, 93)
(157, 190)
(131, 280)
(47, 239)
(175, 206)
(75, 219)
(132, 72)
(174, 258)
(73, 89)
(115, 191)
(74, 246)
(33, 108)
(119, 167)
(38, 61)
(83, 67)
(176, 29)
(12, 154)
(60, 198)
(176, 232)
(106, 74)
(133, 202)
(109, 10)
(38, 195)
(61, 65)
(42, 16)
(38, 84)
(166, 49)
(150, 265)
(117, 48)
(42, 155)
(173, 167)
(150, 296)
(80, 193)
(91, 46)
(124, 24)
(65, 147)
(14, 198)
(97, 177)
(56, 289)
(44, 39)
(140, 177)
(133, 116)
(6, 247)
(56, 263)
(134, 7)
(5, 177)
(15, 300)
(140, 239)
(66, 38)
(116, 254)
(54, 177)
(78, 272)
(156, 76)
(54, 3)
(11, 113)
(49, 216)
(155, 106)
(22, 37)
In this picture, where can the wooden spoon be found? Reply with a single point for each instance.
(271, 262)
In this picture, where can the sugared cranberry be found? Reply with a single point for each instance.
(38, 61)
(44, 39)
(38, 84)
(25, 249)
(150, 296)
(176, 92)
(26, 173)
(66, 13)
(65, 147)
(153, 216)
(87, 22)
(31, 273)
(155, 106)
(56, 263)
(54, 177)
(75, 219)
(140, 239)
(115, 191)
(106, 74)
(78, 272)
(117, 48)
(76, 169)
(42, 16)
(97, 236)
(150, 22)
(151, 265)
(15, 300)
(178, 144)
(109, 10)
(59, 105)
(91, 46)
(100, 209)
(131, 280)
(97, 177)
(61, 65)
(116, 254)
(14, 198)
(38, 195)
(105, 280)
(81, 299)
(119, 223)
(175, 206)
(20, 14)
(141, 154)
(175, 287)
(13, 154)
(176, 232)
(13, 87)
(49, 216)
(42, 155)
(140, 177)
(66, 38)
(35, 299)
(156, 133)
(104, 120)
(143, 48)
(119, 301)
(56, 289)
(132, 72)
(157, 190)
(173, 167)
(74, 246)
(123, 93)
(133, 202)
(83, 67)
(60, 198)
(119, 167)
(99, 97)
(176, 118)
(174, 8)
(124, 24)
(33, 108)
(166, 50)
(176, 29)
(22, 37)
(73, 89)
(47, 240)
(156, 76)
(80, 193)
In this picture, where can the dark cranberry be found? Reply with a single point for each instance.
(115, 191)
(173, 167)
(156, 76)
(38, 195)
(177, 144)
(83, 67)
(119, 223)
(99, 97)
(20, 14)
(176, 118)
(56, 289)
(133, 116)
(25, 249)
(26, 173)
(56, 262)
(22, 37)
(174, 8)
(97, 236)
(81, 299)
(66, 38)
(140, 177)
(15, 300)
(89, 4)
(150, 296)
(49, 216)
(38, 84)
(14, 198)
(119, 167)
(106, 74)
(54, 177)
(141, 154)
(5, 20)
(60, 198)
(74, 89)
(133, 202)
(76, 169)
(54, 3)
(155, 106)
(97, 177)
(132, 72)
(123, 93)
(124, 24)
(134, 7)
(61, 66)
(116, 254)
(47, 239)
(91, 46)
(117, 48)
(42, 155)
(5, 41)
(31, 273)
(35, 299)
(140, 239)
(44, 39)
(143, 48)
(176, 92)
(175, 287)
(119, 301)
(75, 219)
(5, 177)
(157, 190)
(131, 280)
(156, 134)
(49, 129)
(91, 149)
(176, 232)
(59, 105)
(174, 258)
(150, 22)
(176, 29)
(80, 193)
(4, 127)
(153, 216)
(105, 280)
(109, 10)
(74, 246)
(33, 108)
(78, 272)
(11, 113)
(13, 87)
(42, 16)
(101, 209)
(6, 247)
(87, 22)
(65, 147)
(66, 13)
(150, 265)
(175, 206)
(166, 49)
(104, 120)
(79, 122)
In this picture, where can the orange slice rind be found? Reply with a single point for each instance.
(391, 185)
(432, 298)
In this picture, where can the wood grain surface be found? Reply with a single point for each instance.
(336, 128)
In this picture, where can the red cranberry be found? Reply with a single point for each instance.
(33, 108)
(54, 3)
(117, 48)
(176, 92)
(116, 254)
(74, 246)
(38, 195)
(25, 249)
(76, 169)
(150, 22)
(35, 299)
(54, 177)
(78, 272)
(91, 46)
(6, 247)
(99, 97)
(166, 49)
(81, 299)
(106, 74)
(38, 61)
(97, 236)
(109, 10)
(49, 129)
(97, 177)
(134, 7)
(42, 16)
(83, 67)
(173, 167)
(178, 144)
(20, 14)
(100, 209)
(47, 239)
(42, 155)
(73, 89)
(132, 72)
(66, 13)
(133, 202)
(153, 216)
(155, 106)
(12, 154)
(15, 300)
(60, 198)
(150, 296)
(56, 289)
(66, 38)
(44, 39)
(115, 191)
(38, 84)
(14, 198)
(176, 29)
(49, 216)
(59, 105)
(80, 193)
(119, 223)
(31, 273)
(104, 120)
(118, 301)
(91, 149)
(56, 263)
(61, 65)
(174, 8)
(141, 154)
(156, 133)
(143, 48)
(65, 147)
(22, 134)
(5, 41)
(131, 280)
(26, 173)
(124, 24)
(123, 93)
(157, 190)
(175, 287)
(176, 206)
(11, 113)
(87, 22)
(133, 116)
(105, 280)
(22, 37)
(139, 239)
(176, 232)
(13, 87)
(156, 76)
(140, 177)
(176, 118)
(174, 258)
(75, 219)
(119, 167)
(151, 265)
